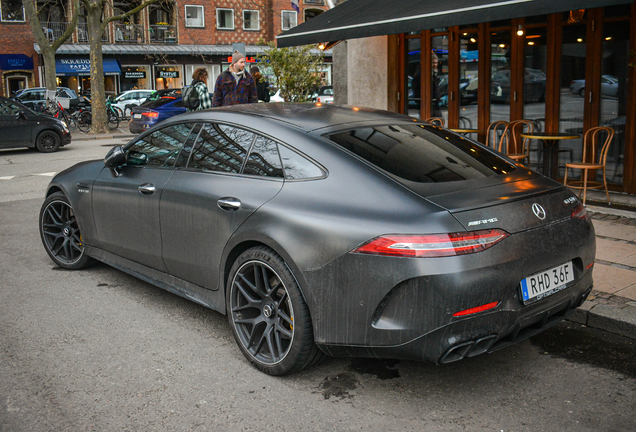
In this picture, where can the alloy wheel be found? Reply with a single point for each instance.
(61, 233)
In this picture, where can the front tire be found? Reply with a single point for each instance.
(60, 233)
(268, 315)
(48, 141)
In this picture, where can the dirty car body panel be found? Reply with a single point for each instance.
(348, 180)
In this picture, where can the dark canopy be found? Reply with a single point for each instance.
(364, 18)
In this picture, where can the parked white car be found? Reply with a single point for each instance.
(126, 100)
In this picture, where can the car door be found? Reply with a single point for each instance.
(126, 206)
(203, 205)
(14, 130)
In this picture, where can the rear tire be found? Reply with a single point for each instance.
(268, 314)
(113, 119)
(84, 121)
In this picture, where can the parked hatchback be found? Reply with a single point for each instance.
(35, 98)
(23, 127)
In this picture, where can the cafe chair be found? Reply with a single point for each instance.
(495, 133)
(517, 148)
(435, 121)
(592, 160)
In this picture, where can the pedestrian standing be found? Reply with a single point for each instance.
(235, 85)
(262, 86)
(200, 84)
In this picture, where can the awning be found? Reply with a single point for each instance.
(364, 18)
(15, 61)
(82, 66)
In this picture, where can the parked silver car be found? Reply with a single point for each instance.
(609, 86)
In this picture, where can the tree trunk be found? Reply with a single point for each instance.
(49, 68)
(98, 94)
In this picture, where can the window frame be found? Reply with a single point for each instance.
(217, 19)
(258, 21)
(23, 14)
(185, 11)
(282, 19)
(140, 138)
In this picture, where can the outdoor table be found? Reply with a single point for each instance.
(465, 131)
(550, 149)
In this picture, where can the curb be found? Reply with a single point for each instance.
(87, 137)
(607, 312)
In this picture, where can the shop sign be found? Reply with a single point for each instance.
(168, 74)
(134, 74)
(247, 59)
(76, 65)
(15, 61)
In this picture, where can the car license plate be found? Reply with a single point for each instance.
(137, 116)
(544, 283)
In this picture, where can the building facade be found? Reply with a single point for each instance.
(566, 71)
(158, 47)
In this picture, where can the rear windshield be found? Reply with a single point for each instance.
(159, 102)
(422, 153)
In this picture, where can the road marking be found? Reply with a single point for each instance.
(6, 177)
(49, 174)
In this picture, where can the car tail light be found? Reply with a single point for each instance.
(433, 245)
(168, 97)
(150, 114)
(476, 309)
(580, 212)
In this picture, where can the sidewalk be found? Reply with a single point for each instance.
(612, 304)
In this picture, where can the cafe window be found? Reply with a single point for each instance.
(168, 77)
(251, 20)
(135, 77)
(12, 10)
(194, 16)
(225, 19)
(288, 19)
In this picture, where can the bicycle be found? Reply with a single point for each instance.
(85, 118)
(55, 109)
(113, 114)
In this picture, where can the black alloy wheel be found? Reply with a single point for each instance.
(48, 141)
(268, 315)
(60, 233)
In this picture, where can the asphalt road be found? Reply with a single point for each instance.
(99, 350)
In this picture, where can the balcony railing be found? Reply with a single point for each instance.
(129, 33)
(162, 33)
(82, 33)
(53, 30)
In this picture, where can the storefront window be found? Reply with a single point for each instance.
(614, 73)
(534, 79)
(468, 80)
(168, 77)
(500, 76)
(573, 89)
(135, 77)
(439, 77)
(413, 77)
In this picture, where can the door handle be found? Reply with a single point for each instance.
(147, 189)
(229, 203)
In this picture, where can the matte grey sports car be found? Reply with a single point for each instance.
(326, 229)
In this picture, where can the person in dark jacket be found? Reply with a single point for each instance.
(200, 83)
(235, 85)
(262, 86)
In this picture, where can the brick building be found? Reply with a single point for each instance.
(159, 47)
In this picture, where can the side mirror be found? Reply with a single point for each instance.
(115, 158)
(21, 115)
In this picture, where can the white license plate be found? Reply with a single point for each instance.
(548, 282)
(136, 115)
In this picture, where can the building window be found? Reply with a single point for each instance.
(225, 19)
(251, 20)
(289, 19)
(12, 10)
(194, 16)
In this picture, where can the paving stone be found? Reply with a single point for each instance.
(610, 279)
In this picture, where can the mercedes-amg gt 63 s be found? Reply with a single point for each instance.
(322, 229)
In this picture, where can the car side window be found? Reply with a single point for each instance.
(264, 159)
(9, 109)
(298, 167)
(161, 148)
(220, 148)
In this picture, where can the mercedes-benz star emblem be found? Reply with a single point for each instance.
(538, 211)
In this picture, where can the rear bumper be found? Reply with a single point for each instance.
(376, 306)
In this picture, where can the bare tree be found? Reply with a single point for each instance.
(96, 25)
(48, 48)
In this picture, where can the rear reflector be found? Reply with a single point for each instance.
(476, 309)
(579, 212)
(589, 266)
(150, 114)
(433, 245)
